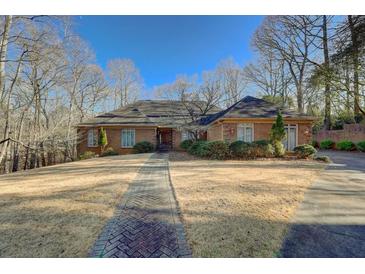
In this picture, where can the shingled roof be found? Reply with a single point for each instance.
(169, 113)
(252, 107)
(148, 113)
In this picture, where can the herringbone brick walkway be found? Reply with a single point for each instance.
(146, 223)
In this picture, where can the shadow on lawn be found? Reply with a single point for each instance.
(324, 241)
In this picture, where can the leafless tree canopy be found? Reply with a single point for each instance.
(50, 81)
(126, 80)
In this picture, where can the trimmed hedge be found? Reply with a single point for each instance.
(262, 149)
(361, 146)
(242, 150)
(346, 145)
(218, 150)
(143, 147)
(202, 150)
(198, 148)
(327, 144)
(305, 151)
(186, 144)
(109, 152)
(213, 150)
(87, 155)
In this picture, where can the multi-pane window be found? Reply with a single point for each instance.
(290, 142)
(128, 137)
(245, 132)
(92, 138)
(186, 135)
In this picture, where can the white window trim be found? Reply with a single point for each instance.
(244, 126)
(93, 130)
(121, 137)
(288, 127)
(186, 135)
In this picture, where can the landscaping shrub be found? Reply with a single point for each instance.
(315, 144)
(87, 155)
(305, 151)
(325, 159)
(202, 150)
(277, 135)
(361, 146)
(346, 145)
(262, 142)
(327, 144)
(143, 147)
(186, 144)
(240, 149)
(198, 148)
(279, 149)
(103, 139)
(109, 152)
(218, 150)
(261, 149)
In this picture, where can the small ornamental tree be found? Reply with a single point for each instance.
(103, 140)
(277, 135)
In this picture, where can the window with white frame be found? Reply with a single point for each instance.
(290, 141)
(245, 132)
(186, 135)
(128, 137)
(92, 138)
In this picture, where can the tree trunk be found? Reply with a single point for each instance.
(355, 60)
(3, 52)
(43, 157)
(327, 88)
(25, 167)
(300, 98)
(15, 166)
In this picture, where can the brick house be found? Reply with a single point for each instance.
(163, 123)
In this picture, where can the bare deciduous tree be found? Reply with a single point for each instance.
(126, 80)
(233, 82)
(288, 37)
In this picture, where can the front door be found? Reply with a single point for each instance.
(164, 138)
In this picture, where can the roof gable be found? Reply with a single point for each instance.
(252, 107)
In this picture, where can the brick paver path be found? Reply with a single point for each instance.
(146, 223)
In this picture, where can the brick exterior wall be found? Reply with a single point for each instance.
(214, 132)
(114, 135)
(304, 134)
(352, 132)
(261, 131)
(176, 139)
(229, 132)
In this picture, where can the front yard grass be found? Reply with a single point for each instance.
(59, 211)
(239, 208)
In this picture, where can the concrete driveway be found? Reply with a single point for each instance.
(331, 220)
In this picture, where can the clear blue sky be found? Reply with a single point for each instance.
(164, 46)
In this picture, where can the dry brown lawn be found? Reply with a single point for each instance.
(239, 208)
(58, 211)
